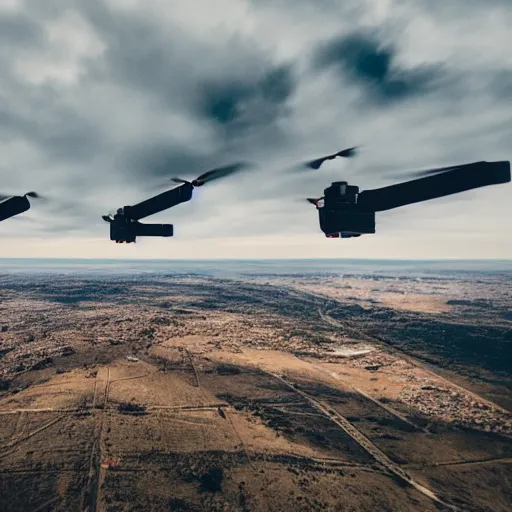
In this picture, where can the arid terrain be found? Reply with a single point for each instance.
(262, 393)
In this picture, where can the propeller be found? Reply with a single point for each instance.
(214, 174)
(314, 201)
(110, 216)
(344, 153)
(34, 195)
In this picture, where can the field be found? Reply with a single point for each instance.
(191, 393)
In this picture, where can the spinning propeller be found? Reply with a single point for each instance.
(214, 174)
(34, 195)
(344, 153)
(314, 201)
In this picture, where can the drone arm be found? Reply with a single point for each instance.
(459, 179)
(13, 205)
(160, 202)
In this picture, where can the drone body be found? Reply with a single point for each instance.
(346, 213)
(14, 205)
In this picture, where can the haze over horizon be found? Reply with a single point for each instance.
(103, 101)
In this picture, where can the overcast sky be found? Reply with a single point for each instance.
(102, 101)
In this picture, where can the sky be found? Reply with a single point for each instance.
(103, 101)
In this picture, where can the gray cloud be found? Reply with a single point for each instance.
(458, 8)
(19, 31)
(363, 58)
(163, 160)
(60, 132)
(248, 103)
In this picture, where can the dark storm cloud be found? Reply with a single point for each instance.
(278, 84)
(245, 104)
(223, 104)
(237, 86)
(179, 71)
(363, 58)
(231, 84)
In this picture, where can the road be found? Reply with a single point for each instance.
(365, 443)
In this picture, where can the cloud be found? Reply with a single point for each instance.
(248, 103)
(103, 101)
(372, 65)
(19, 31)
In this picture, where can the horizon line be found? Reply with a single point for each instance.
(255, 259)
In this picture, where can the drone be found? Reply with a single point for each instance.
(344, 212)
(14, 205)
(124, 224)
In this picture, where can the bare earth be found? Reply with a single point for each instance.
(267, 394)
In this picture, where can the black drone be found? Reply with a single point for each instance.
(125, 225)
(344, 212)
(14, 205)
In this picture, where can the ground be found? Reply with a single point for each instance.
(357, 393)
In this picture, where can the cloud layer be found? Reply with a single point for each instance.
(103, 102)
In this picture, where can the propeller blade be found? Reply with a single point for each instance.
(348, 153)
(107, 218)
(430, 172)
(459, 179)
(220, 172)
(344, 153)
(34, 195)
(317, 202)
(316, 164)
(179, 180)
